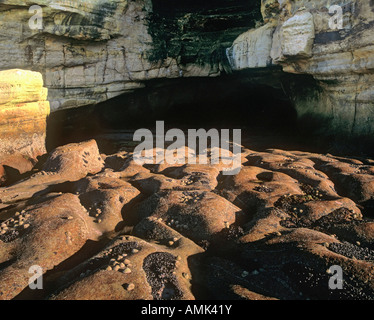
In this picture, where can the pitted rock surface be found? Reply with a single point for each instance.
(106, 227)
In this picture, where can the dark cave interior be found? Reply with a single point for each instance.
(199, 32)
(255, 102)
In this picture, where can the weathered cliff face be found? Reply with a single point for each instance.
(301, 37)
(23, 114)
(87, 51)
(94, 50)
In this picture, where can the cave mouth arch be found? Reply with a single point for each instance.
(255, 101)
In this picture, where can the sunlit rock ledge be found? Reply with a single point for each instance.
(23, 112)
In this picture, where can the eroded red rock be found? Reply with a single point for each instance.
(75, 161)
(196, 214)
(44, 235)
(130, 268)
(2, 175)
(106, 227)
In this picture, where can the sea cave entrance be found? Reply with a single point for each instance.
(256, 102)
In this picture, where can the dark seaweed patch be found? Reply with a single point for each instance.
(159, 268)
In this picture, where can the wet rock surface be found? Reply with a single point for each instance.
(104, 227)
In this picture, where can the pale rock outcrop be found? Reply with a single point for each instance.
(258, 47)
(307, 40)
(252, 49)
(23, 113)
(297, 35)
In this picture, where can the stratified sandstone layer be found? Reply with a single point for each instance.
(94, 50)
(23, 113)
(105, 227)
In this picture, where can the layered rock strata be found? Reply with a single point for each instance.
(94, 50)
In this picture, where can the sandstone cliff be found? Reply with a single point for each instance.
(94, 50)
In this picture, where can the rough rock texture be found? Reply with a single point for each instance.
(26, 240)
(114, 229)
(23, 114)
(297, 36)
(64, 164)
(130, 268)
(305, 41)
